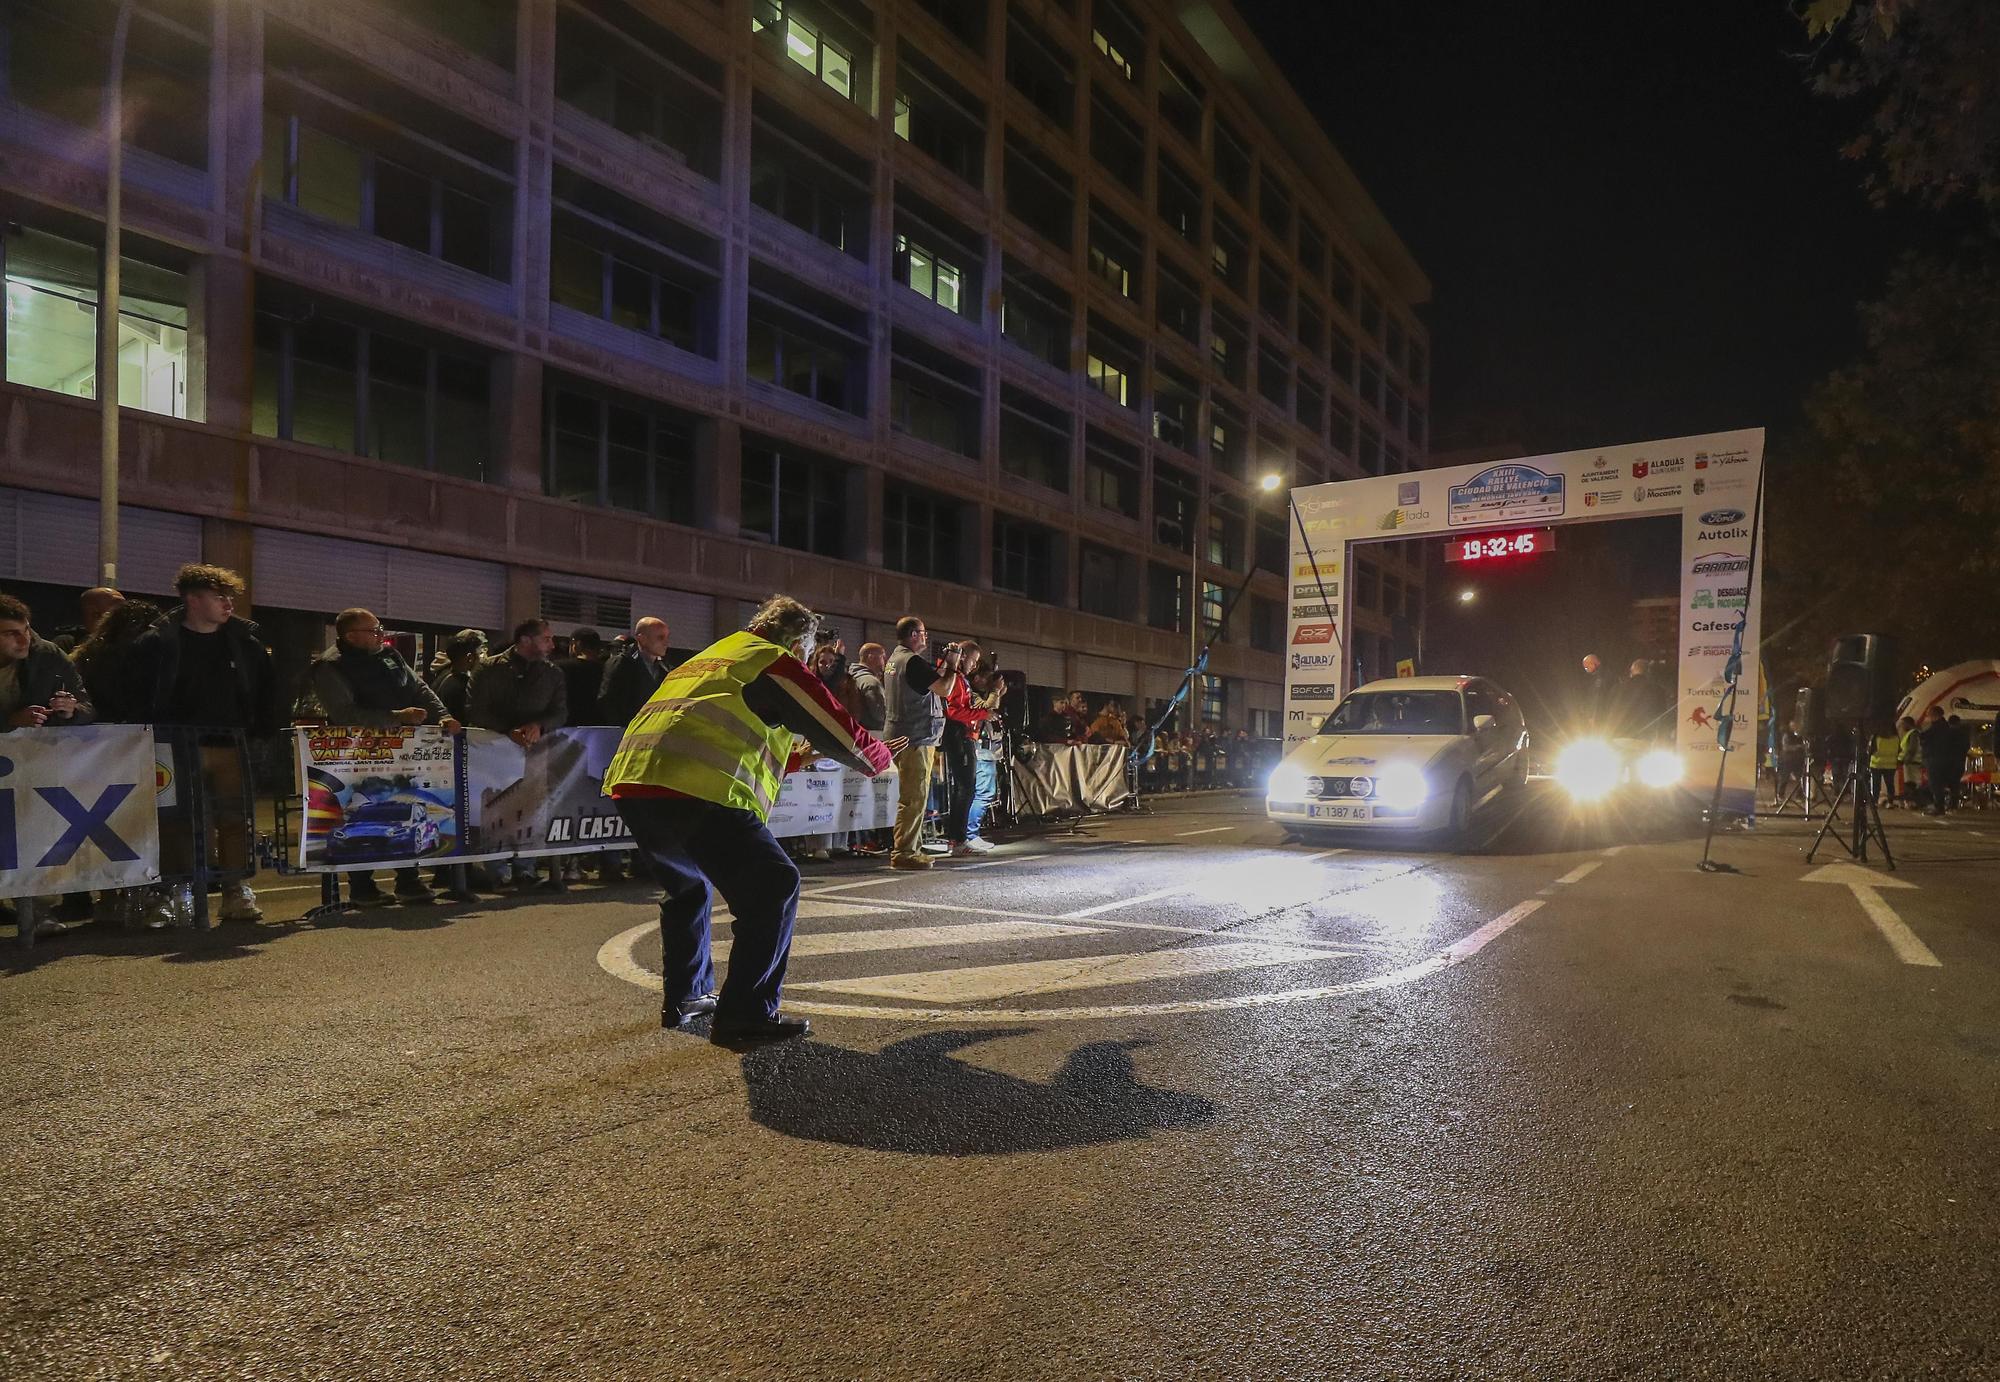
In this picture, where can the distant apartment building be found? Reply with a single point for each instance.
(994, 311)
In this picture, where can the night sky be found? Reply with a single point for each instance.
(1635, 217)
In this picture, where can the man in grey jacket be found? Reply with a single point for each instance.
(914, 690)
(364, 682)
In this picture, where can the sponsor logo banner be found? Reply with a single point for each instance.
(78, 809)
(1326, 566)
(1312, 592)
(1315, 691)
(376, 795)
(1308, 661)
(1505, 493)
(1312, 633)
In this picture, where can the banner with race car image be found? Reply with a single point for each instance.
(377, 797)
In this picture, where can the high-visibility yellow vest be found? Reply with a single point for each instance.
(1887, 749)
(695, 735)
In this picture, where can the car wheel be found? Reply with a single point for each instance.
(1459, 827)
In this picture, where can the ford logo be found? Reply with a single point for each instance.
(1716, 518)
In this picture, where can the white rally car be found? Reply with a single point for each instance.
(1417, 755)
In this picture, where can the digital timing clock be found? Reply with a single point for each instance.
(1488, 546)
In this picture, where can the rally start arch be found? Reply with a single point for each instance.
(1711, 481)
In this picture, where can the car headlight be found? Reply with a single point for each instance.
(1287, 783)
(1589, 769)
(1401, 787)
(1660, 768)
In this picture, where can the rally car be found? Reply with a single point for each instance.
(383, 830)
(1416, 756)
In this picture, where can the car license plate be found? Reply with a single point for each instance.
(1337, 813)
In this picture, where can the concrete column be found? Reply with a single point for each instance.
(524, 596)
(718, 451)
(230, 542)
(236, 120)
(864, 535)
(534, 67)
(515, 453)
(976, 537)
(222, 342)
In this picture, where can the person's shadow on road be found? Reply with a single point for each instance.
(914, 1097)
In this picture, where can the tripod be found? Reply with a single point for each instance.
(1801, 789)
(1867, 822)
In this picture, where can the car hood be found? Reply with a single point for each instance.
(1366, 755)
(375, 827)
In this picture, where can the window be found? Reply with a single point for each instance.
(1340, 431)
(1343, 357)
(1116, 35)
(1115, 257)
(1415, 430)
(1343, 281)
(933, 396)
(1179, 201)
(1228, 441)
(818, 42)
(1214, 599)
(56, 55)
(616, 66)
(1106, 584)
(1371, 381)
(1229, 345)
(1274, 290)
(793, 498)
(927, 272)
(483, 27)
(51, 339)
(1274, 539)
(339, 181)
(1225, 532)
(1176, 401)
(1037, 194)
(621, 263)
(1026, 559)
(1392, 344)
(1311, 327)
(801, 177)
(1110, 473)
(1267, 622)
(1309, 403)
(1112, 360)
(1175, 497)
(1274, 375)
(1167, 598)
(1231, 162)
(1037, 69)
(805, 343)
(1274, 208)
(1214, 694)
(1116, 143)
(1177, 302)
(1180, 100)
(936, 117)
(333, 382)
(1312, 249)
(1371, 449)
(1419, 363)
(964, 20)
(1035, 315)
(1230, 253)
(1370, 315)
(1367, 585)
(920, 533)
(1034, 439)
(619, 453)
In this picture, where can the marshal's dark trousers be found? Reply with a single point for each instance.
(692, 845)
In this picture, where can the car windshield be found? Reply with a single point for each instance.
(1397, 712)
(380, 812)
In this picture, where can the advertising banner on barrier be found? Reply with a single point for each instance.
(380, 796)
(547, 798)
(77, 809)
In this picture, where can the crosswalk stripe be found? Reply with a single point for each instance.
(917, 937)
(1056, 976)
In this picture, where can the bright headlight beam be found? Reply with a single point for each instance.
(1589, 769)
(1287, 783)
(1401, 787)
(1660, 768)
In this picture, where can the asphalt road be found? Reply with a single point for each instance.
(1168, 1097)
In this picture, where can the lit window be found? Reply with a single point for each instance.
(1110, 50)
(1109, 379)
(837, 69)
(931, 277)
(1221, 259)
(802, 42)
(902, 117)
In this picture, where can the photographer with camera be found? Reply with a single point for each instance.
(915, 687)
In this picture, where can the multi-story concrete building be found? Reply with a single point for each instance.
(467, 310)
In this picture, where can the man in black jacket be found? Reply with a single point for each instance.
(463, 653)
(583, 673)
(203, 671)
(364, 682)
(522, 695)
(634, 673)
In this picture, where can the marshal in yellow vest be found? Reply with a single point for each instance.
(695, 735)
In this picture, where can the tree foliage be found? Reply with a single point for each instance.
(1930, 72)
(1886, 514)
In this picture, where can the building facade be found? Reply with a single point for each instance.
(994, 311)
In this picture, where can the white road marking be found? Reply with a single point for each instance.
(1127, 902)
(615, 957)
(1212, 830)
(1027, 977)
(1577, 874)
(1863, 884)
(1610, 850)
(918, 937)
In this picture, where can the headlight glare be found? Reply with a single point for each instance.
(1589, 769)
(1287, 783)
(1660, 768)
(1401, 787)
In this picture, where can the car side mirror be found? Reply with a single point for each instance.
(1482, 723)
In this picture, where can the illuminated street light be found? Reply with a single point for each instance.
(1467, 596)
(1271, 481)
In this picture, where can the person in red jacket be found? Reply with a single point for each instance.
(961, 735)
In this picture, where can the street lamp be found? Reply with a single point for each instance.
(107, 304)
(1467, 595)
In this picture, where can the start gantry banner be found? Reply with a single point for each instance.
(78, 809)
(1710, 481)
